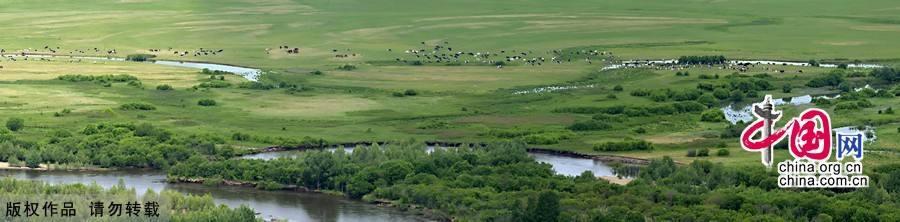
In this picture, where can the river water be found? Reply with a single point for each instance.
(248, 73)
(293, 206)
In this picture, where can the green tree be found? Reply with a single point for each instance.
(544, 208)
(396, 170)
(33, 159)
(721, 93)
(707, 99)
(887, 74)
(712, 115)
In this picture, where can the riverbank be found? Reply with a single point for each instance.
(601, 157)
(562, 164)
(426, 213)
(51, 167)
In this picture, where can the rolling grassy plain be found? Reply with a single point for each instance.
(460, 102)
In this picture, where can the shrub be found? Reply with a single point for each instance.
(712, 115)
(706, 86)
(640, 93)
(137, 106)
(164, 87)
(213, 72)
(63, 112)
(214, 84)
(618, 88)
(708, 100)
(822, 102)
(99, 79)
(256, 85)
(721, 93)
(732, 131)
(703, 152)
(736, 96)
(813, 62)
(410, 92)
(723, 152)
(589, 110)
(139, 57)
(831, 79)
(238, 136)
(640, 130)
(206, 102)
(397, 94)
(624, 146)
(848, 105)
(887, 74)
(316, 72)
(15, 124)
(591, 125)
(546, 138)
(269, 185)
(434, 125)
(136, 83)
(605, 117)
(786, 88)
(701, 60)
(611, 96)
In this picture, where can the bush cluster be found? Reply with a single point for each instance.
(137, 106)
(628, 145)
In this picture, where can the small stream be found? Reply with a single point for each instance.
(251, 74)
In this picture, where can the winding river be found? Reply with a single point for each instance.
(299, 206)
(290, 205)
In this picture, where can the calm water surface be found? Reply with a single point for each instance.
(294, 206)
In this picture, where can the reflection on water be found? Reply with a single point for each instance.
(573, 166)
(294, 206)
(248, 73)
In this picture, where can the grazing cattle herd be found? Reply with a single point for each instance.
(440, 53)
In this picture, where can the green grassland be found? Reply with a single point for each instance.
(458, 102)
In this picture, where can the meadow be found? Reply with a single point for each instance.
(511, 75)
(452, 101)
